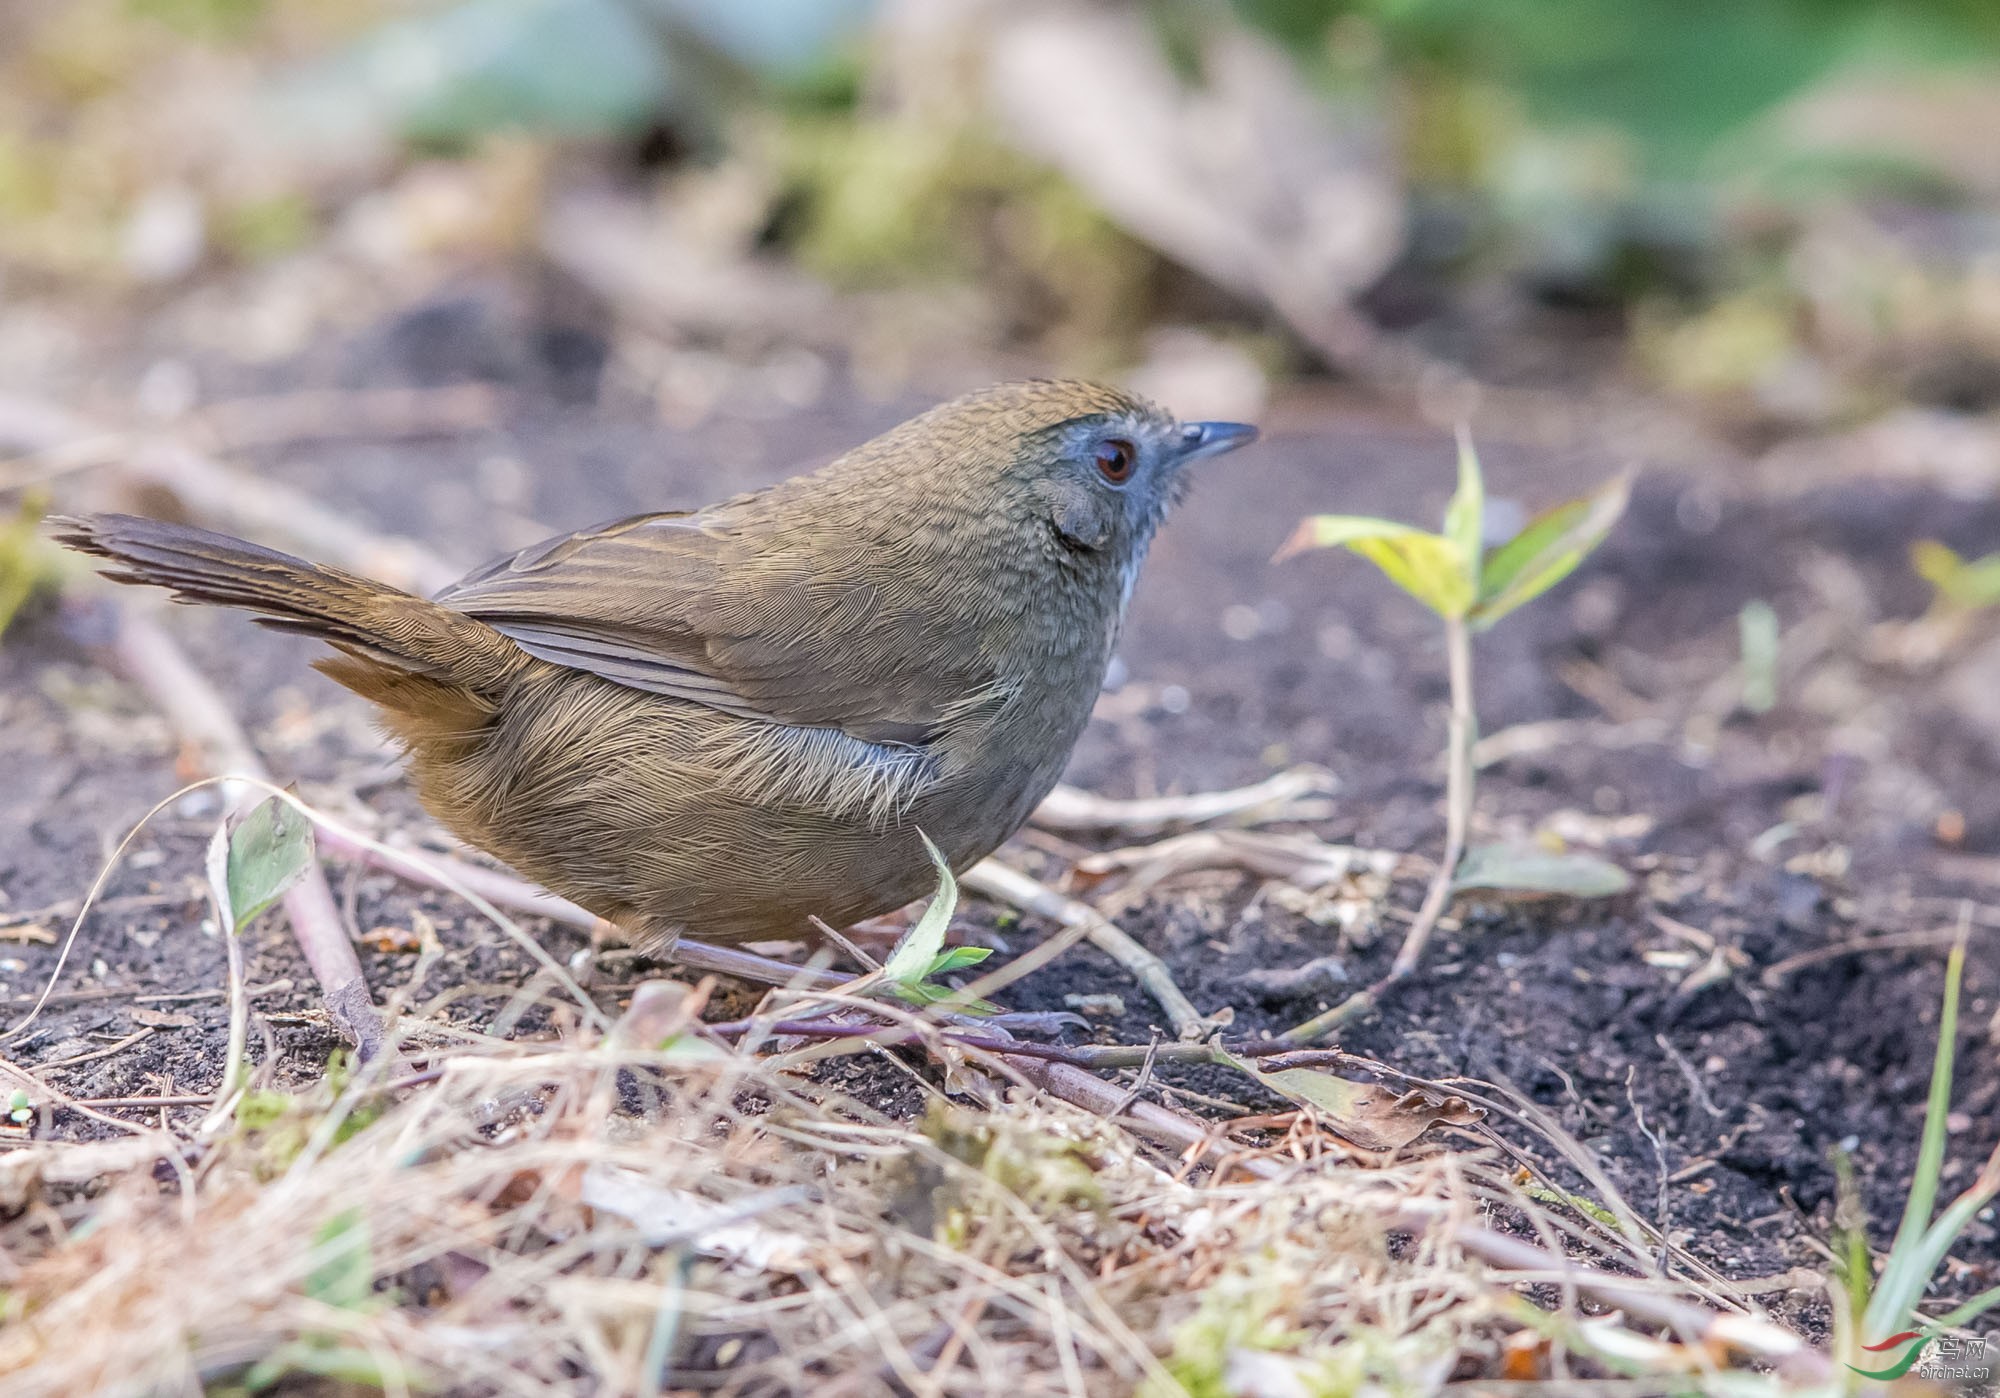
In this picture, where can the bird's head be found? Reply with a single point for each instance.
(1096, 467)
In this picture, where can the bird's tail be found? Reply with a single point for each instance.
(398, 644)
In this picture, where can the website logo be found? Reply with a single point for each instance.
(1949, 1356)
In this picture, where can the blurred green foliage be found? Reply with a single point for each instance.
(207, 19)
(1676, 77)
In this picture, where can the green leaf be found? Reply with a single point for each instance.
(1920, 1245)
(1965, 585)
(1465, 516)
(923, 993)
(1562, 1198)
(1534, 872)
(353, 1365)
(343, 1262)
(1548, 550)
(957, 959)
(920, 946)
(1758, 637)
(28, 563)
(268, 852)
(1427, 566)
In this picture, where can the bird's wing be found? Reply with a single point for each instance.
(687, 605)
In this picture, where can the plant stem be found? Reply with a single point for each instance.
(1458, 797)
(1462, 733)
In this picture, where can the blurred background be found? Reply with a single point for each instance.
(1782, 217)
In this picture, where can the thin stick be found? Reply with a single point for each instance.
(1011, 886)
(1458, 818)
(147, 656)
(1289, 795)
(233, 1073)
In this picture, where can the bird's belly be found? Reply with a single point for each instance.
(669, 818)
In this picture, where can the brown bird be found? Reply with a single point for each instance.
(719, 722)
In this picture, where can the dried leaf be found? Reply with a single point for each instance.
(668, 1217)
(1246, 174)
(1367, 1114)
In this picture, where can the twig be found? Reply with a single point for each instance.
(1286, 796)
(1529, 739)
(1775, 973)
(109, 1051)
(1302, 860)
(144, 653)
(995, 880)
(203, 1099)
(233, 1074)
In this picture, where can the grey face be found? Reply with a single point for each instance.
(1114, 478)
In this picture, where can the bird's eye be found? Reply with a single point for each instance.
(1115, 459)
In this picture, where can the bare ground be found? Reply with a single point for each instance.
(1674, 1032)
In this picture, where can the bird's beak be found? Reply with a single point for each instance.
(1199, 439)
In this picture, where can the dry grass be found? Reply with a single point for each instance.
(595, 1217)
(648, 1210)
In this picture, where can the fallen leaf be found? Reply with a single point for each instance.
(1526, 871)
(1249, 177)
(670, 1217)
(1367, 1114)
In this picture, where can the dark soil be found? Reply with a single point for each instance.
(1774, 835)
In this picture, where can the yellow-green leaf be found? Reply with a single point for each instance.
(918, 950)
(1465, 516)
(1548, 550)
(1960, 583)
(1427, 566)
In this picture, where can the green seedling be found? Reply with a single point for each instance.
(252, 863)
(1471, 587)
(1958, 585)
(1759, 638)
(920, 955)
(1892, 1335)
(28, 563)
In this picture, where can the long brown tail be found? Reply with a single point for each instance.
(370, 621)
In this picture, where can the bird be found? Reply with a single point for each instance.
(728, 721)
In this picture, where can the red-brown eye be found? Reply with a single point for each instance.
(1115, 459)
